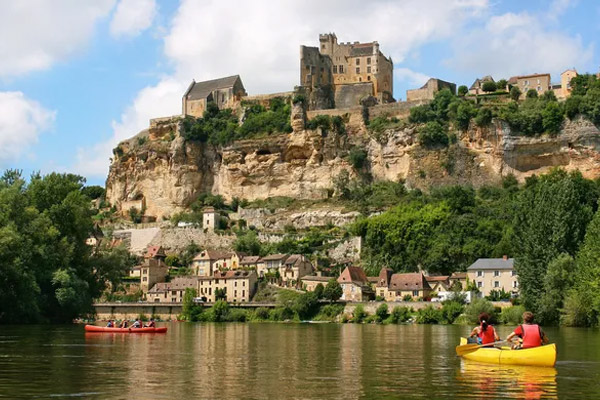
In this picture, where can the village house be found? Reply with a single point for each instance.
(250, 262)
(171, 292)
(153, 269)
(210, 219)
(438, 283)
(395, 287)
(355, 285)
(458, 280)
(224, 92)
(271, 264)
(207, 262)
(235, 259)
(563, 90)
(429, 89)
(310, 282)
(238, 286)
(494, 274)
(477, 86)
(294, 267)
(540, 82)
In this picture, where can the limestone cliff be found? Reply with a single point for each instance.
(164, 172)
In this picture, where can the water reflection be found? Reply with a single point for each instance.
(487, 381)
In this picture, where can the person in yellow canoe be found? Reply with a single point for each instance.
(485, 332)
(530, 334)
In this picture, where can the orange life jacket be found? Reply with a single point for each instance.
(487, 336)
(531, 336)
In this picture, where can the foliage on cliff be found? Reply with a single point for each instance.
(221, 127)
(47, 272)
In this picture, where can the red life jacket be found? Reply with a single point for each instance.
(487, 336)
(531, 336)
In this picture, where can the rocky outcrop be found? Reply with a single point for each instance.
(165, 173)
(278, 220)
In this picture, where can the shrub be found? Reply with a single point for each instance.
(219, 312)
(261, 313)
(319, 289)
(512, 315)
(357, 158)
(477, 307)
(501, 84)
(305, 305)
(320, 121)
(515, 93)
(359, 314)
(333, 290)
(407, 297)
(483, 117)
(379, 298)
(398, 315)
(463, 90)
(552, 117)
(531, 94)
(432, 134)
(382, 312)
(237, 315)
(489, 86)
(450, 311)
(421, 114)
(330, 311)
(142, 140)
(429, 315)
(281, 314)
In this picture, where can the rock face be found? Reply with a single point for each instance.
(165, 173)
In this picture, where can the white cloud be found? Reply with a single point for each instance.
(132, 17)
(36, 33)
(414, 78)
(517, 44)
(21, 122)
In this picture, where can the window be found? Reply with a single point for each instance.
(341, 69)
(144, 279)
(358, 61)
(526, 83)
(415, 293)
(539, 88)
(368, 60)
(496, 273)
(322, 47)
(496, 283)
(235, 293)
(335, 69)
(308, 67)
(538, 81)
(513, 273)
(243, 293)
(243, 283)
(368, 70)
(235, 283)
(145, 271)
(358, 70)
(479, 284)
(515, 284)
(479, 274)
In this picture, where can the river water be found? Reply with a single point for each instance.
(282, 361)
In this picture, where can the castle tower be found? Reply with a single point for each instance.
(327, 41)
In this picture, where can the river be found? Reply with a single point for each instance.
(282, 361)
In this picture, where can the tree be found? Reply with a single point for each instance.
(357, 158)
(319, 290)
(463, 90)
(382, 312)
(483, 117)
(432, 134)
(515, 93)
(333, 290)
(188, 303)
(557, 282)
(464, 113)
(220, 294)
(93, 192)
(532, 94)
(501, 84)
(552, 117)
(247, 242)
(489, 86)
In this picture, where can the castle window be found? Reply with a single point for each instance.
(335, 69)
(358, 70)
(369, 77)
(322, 47)
(308, 67)
(368, 70)
(341, 69)
(358, 61)
(368, 60)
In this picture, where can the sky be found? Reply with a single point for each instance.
(79, 76)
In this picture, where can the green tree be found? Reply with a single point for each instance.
(333, 290)
(552, 117)
(359, 314)
(531, 94)
(357, 158)
(464, 113)
(515, 93)
(220, 294)
(557, 282)
(319, 290)
(382, 312)
(501, 84)
(489, 86)
(93, 192)
(188, 303)
(433, 134)
(463, 90)
(483, 117)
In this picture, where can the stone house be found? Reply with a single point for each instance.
(477, 86)
(235, 259)
(540, 82)
(438, 283)
(239, 286)
(429, 89)
(171, 292)
(355, 285)
(294, 267)
(310, 282)
(271, 264)
(224, 92)
(458, 278)
(210, 219)
(153, 268)
(250, 262)
(394, 287)
(207, 262)
(494, 274)
(563, 90)
(355, 70)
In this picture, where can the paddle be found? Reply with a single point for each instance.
(469, 348)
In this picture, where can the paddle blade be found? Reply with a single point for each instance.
(466, 348)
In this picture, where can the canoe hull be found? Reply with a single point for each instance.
(543, 356)
(104, 329)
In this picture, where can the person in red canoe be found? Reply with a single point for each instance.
(124, 324)
(137, 324)
(485, 333)
(150, 324)
(530, 334)
(111, 324)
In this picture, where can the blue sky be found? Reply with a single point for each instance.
(79, 76)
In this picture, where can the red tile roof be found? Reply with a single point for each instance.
(354, 275)
(212, 255)
(411, 281)
(155, 251)
(441, 278)
(383, 280)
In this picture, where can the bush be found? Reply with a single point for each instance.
(450, 311)
(330, 311)
(432, 134)
(305, 305)
(429, 315)
(219, 312)
(319, 289)
(512, 315)
(357, 158)
(421, 114)
(261, 313)
(515, 93)
(489, 86)
(237, 315)
(531, 94)
(281, 314)
(333, 290)
(398, 315)
(407, 297)
(463, 90)
(359, 314)
(498, 295)
(320, 121)
(483, 117)
(477, 307)
(552, 117)
(382, 312)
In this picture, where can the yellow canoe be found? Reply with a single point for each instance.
(543, 356)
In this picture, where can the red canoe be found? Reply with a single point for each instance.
(94, 328)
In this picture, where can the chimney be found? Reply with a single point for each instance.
(505, 257)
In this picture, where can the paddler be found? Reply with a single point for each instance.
(485, 332)
(530, 334)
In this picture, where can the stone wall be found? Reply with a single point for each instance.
(428, 91)
(349, 95)
(371, 306)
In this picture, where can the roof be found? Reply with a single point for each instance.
(436, 278)
(529, 76)
(212, 255)
(235, 274)
(316, 278)
(383, 280)
(155, 251)
(249, 259)
(481, 80)
(201, 90)
(354, 275)
(361, 50)
(208, 210)
(373, 279)
(458, 275)
(275, 257)
(293, 259)
(411, 281)
(492, 263)
(179, 283)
